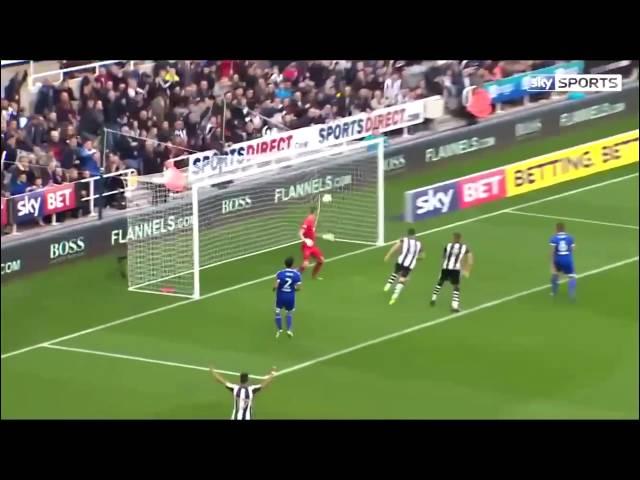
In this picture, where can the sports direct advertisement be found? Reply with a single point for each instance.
(522, 177)
(572, 163)
(246, 154)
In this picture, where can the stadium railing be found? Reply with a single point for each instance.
(30, 90)
(61, 72)
(55, 199)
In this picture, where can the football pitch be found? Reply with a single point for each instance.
(77, 344)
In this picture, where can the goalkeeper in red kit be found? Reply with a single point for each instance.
(309, 247)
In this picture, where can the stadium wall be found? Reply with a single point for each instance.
(110, 235)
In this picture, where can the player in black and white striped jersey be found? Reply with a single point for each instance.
(456, 258)
(410, 250)
(243, 393)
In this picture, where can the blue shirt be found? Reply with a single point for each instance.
(563, 244)
(18, 188)
(288, 279)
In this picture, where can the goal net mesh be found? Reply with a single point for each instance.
(249, 215)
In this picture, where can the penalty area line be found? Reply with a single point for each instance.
(142, 359)
(442, 319)
(339, 257)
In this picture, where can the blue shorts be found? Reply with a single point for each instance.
(564, 266)
(288, 302)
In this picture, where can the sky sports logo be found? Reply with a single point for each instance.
(575, 83)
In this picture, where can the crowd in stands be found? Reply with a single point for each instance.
(185, 106)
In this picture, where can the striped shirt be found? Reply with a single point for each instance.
(242, 400)
(453, 254)
(409, 253)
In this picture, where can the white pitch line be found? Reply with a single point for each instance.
(572, 219)
(442, 319)
(344, 255)
(142, 359)
(355, 347)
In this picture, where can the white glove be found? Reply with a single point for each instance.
(309, 242)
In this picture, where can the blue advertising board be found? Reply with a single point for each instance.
(28, 207)
(431, 201)
(515, 87)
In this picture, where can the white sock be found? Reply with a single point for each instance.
(399, 287)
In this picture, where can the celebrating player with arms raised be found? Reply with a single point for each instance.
(309, 247)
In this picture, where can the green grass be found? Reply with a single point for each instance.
(529, 357)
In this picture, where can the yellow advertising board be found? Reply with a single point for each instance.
(572, 163)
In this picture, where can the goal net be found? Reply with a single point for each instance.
(255, 206)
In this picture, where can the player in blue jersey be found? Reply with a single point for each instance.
(562, 246)
(288, 282)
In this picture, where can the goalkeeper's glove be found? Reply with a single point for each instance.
(308, 242)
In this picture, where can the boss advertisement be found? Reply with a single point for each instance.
(66, 243)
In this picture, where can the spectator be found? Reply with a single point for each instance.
(114, 183)
(10, 151)
(92, 119)
(22, 142)
(180, 131)
(35, 131)
(52, 121)
(64, 110)
(144, 122)
(64, 88)
(102, 77)
(46, 99)
(12, 89)
(52, 175)
(128, 149)
(37, 185)
(72, 175)
(377, 101)
(392, 87)
(164, 134)
(54, 146)
(19, 184)
(12, 129)
(70, 154)
(89, 158)
(159, 108)
(151, 159)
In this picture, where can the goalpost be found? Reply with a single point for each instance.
(254, 206)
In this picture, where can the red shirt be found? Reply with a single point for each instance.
(309, 227)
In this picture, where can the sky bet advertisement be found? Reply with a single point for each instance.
(37, 204)
(522, 177)
(435, 200)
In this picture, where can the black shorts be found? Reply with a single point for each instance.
(451, 276)
(403, 271)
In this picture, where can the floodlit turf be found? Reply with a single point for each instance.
(514, 352)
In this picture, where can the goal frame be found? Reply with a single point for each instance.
(206, 181)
